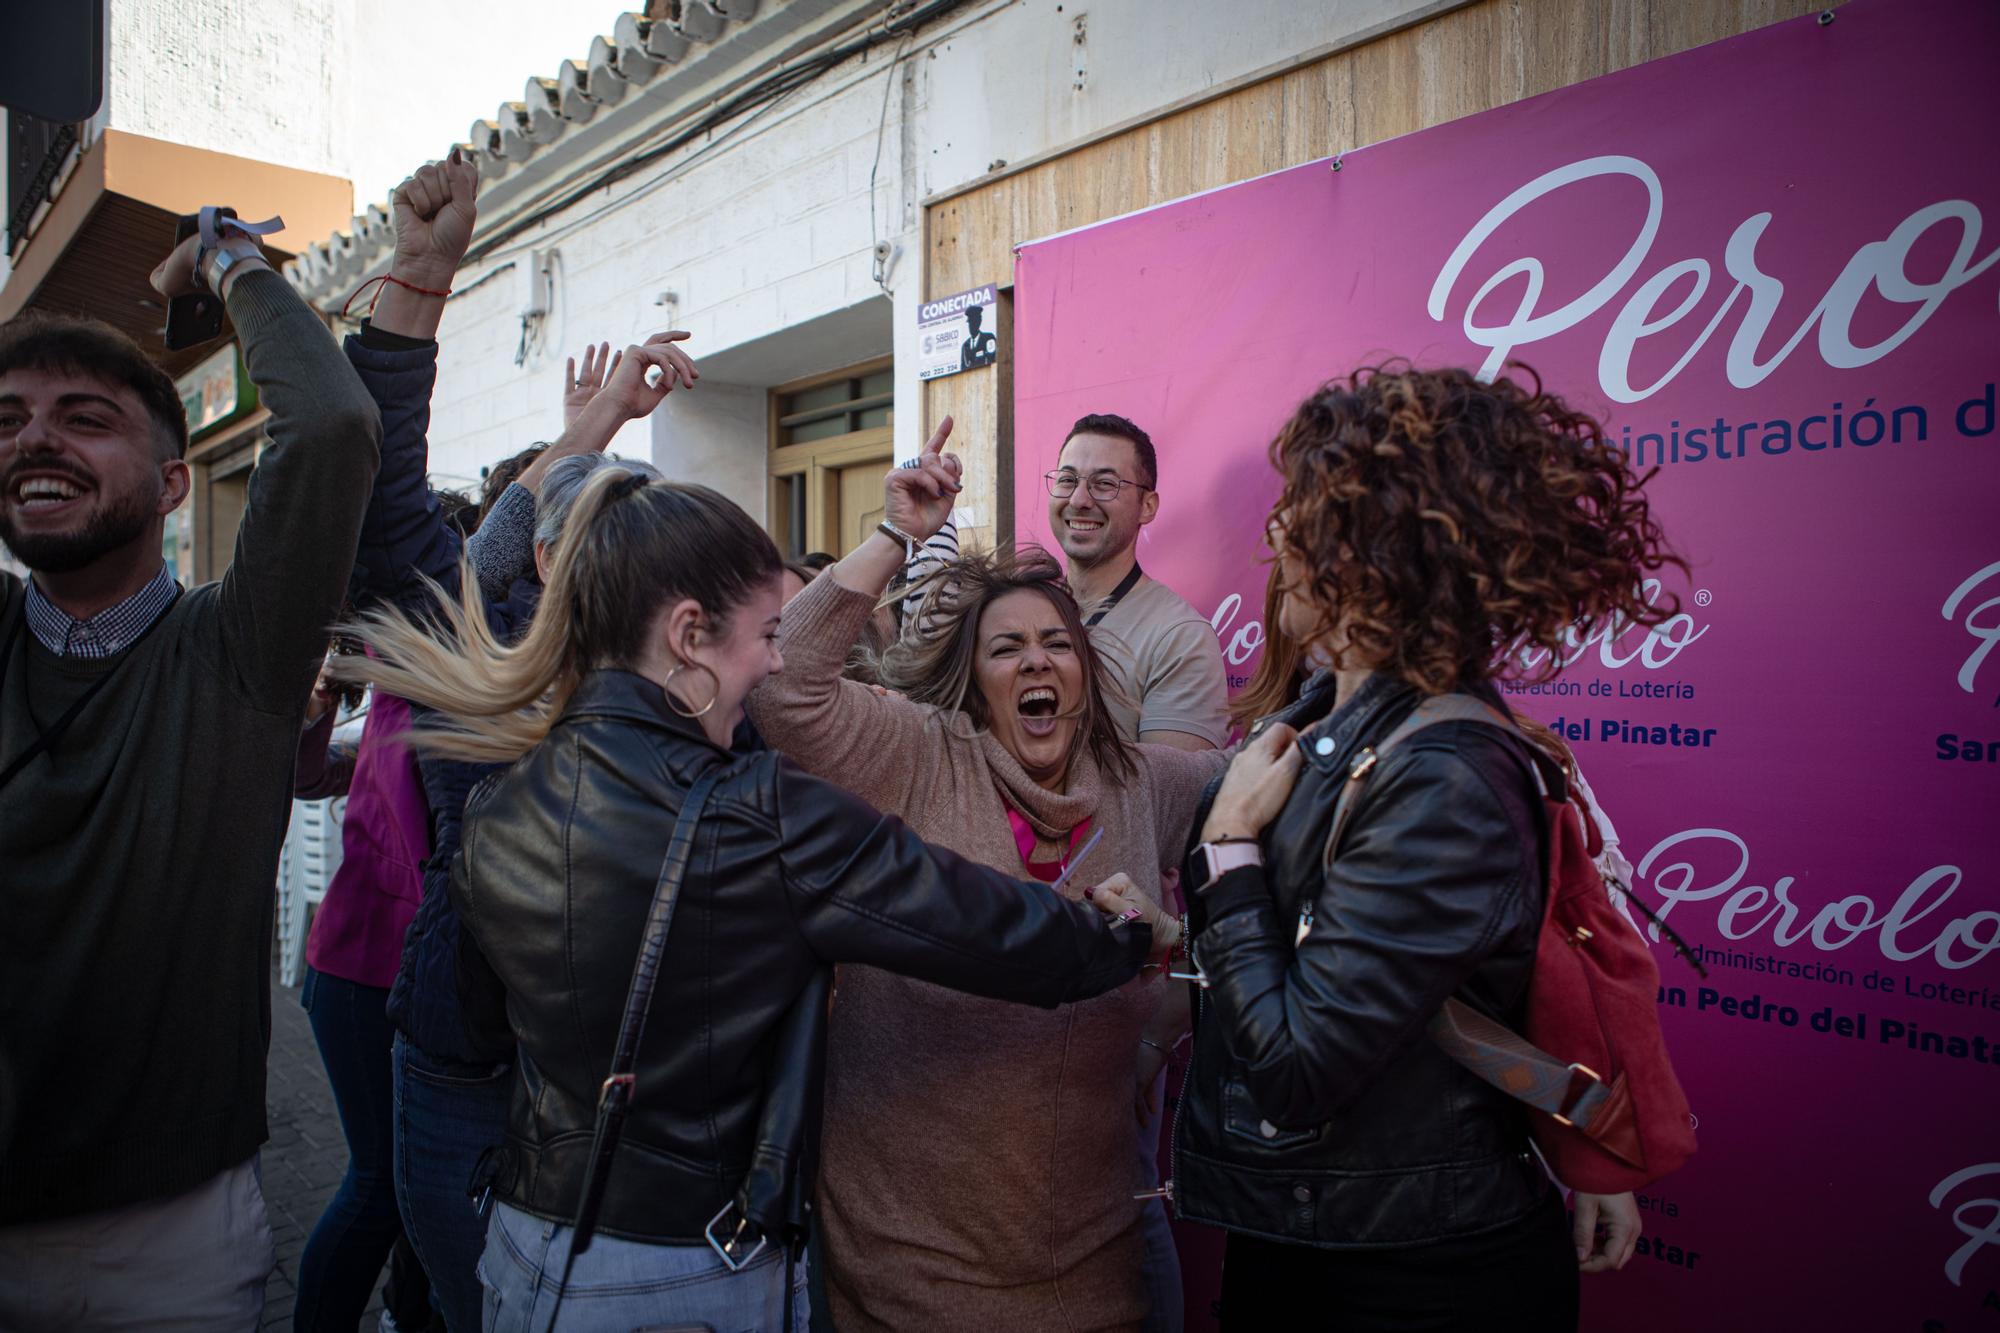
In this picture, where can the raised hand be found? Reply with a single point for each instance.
(435, 209)
(643, 377)
(175, 275)
(636, 381)
(599, 365)
(919, 499)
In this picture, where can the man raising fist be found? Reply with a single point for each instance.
(147, 736)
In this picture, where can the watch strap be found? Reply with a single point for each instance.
(1214, 860)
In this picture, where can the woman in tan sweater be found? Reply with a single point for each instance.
(978, 1164)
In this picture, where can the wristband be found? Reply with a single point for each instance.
(381, 280)
(225, 261)
(894, 533)
(215, 228)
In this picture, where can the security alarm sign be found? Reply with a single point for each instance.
(956, 333)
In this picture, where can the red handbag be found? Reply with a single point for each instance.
(1610, 1115)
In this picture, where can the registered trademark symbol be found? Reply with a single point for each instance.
(1703, 597)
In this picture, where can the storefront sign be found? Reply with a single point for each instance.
(1772, 266)
(957, 333)
(216, 391)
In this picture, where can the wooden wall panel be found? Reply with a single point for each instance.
(1459, 64)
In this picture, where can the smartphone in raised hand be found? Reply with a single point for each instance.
(195, 318)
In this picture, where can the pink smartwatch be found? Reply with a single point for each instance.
(1212, 860)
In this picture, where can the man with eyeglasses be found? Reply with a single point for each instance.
(1168, 667)
(1160, 650)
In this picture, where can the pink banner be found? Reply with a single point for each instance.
(1764, 263)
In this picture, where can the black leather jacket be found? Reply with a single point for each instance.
(788, 875)
(1317, 1111)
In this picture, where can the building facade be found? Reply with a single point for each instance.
(793, 181)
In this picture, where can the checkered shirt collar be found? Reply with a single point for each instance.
(109, 632)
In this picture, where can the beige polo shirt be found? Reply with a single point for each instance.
(1166, 661)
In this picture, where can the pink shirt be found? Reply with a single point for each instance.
(357, 934)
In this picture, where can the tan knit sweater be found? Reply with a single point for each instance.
(979, 1157)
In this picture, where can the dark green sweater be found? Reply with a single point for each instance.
(138, 861)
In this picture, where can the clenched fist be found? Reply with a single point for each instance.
(435, 210)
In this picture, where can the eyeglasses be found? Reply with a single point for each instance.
(1103, 488)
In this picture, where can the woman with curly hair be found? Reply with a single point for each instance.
(980, 1164)
(1432, 530)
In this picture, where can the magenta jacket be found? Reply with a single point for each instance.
(357, 934)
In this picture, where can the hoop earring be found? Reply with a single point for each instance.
(675, 703)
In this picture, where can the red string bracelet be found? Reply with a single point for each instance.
(385, 278)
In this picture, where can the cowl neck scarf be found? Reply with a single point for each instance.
(1050, 814)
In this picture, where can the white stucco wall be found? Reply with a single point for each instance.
(769, 234)
(364, 89)
(765, 244)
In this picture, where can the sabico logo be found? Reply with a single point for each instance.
(1981, 620)
(1710, 867)
(1976, 1219)
(1876, 270)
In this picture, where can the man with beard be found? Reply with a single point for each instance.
(1160, 650)
(1172, 690)
(147, 737)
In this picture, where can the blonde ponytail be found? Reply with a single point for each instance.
(496, 701)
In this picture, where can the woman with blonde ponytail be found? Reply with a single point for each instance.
(664, 1121)
(494, 701)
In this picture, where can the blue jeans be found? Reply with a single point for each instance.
(354, 1235)
(446, 1117)
(1162, 1264)
(626, 1284)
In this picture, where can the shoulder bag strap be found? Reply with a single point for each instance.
(1486, 1047)
(614, 1101)
(1430, 713)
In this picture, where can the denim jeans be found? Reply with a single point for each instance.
(1162, 1264)
(446, 1116)
(355, 1234)
(624, 1284)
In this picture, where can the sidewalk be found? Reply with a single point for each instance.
(306, 1157)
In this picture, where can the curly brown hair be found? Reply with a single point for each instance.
(1448, 526)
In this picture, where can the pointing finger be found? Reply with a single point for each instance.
(935, 445)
